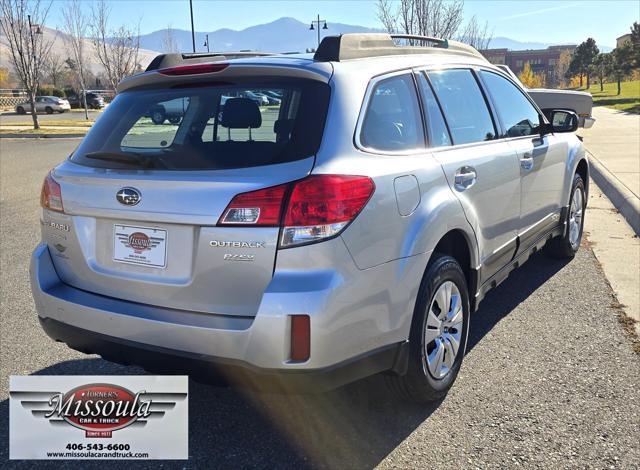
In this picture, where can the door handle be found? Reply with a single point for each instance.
(526, 162)
(464, 178)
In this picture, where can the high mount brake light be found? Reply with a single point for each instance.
(51, 195)
(315, 208)
(193, 69)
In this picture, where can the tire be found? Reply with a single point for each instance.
(20, 110)
(49, 110)
(158, 116)
(175, 119)
(425, 381)
(567, 245)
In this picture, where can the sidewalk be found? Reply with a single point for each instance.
(613, 144)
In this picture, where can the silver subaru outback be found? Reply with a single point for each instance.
(347, 228)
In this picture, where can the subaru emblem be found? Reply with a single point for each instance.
(128, 196)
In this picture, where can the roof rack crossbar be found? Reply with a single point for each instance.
(362, 45)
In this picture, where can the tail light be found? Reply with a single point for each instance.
(51, 195)
(262, 207)
(315, 208)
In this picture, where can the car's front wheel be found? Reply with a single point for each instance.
(20, 110)
(567, 245)
(438, 335)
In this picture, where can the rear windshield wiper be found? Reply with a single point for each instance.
(122, 157)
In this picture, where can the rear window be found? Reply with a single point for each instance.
(209, 127)
(464, 106)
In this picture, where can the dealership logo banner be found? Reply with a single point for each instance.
(98, 417)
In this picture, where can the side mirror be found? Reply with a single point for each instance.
(563, 120)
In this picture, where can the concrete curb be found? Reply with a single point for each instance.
(40, 136)
(620, 196)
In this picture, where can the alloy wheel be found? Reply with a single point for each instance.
(575, 217)
(443, 330)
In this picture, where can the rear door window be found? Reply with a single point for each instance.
(392, 121)
(464, 106)
(210, 126)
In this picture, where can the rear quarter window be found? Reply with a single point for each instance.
(392, 120)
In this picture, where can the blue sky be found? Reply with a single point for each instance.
(541, 21)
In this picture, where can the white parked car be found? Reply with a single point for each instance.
(48, 104)
(580, 102)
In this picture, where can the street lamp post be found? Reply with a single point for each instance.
(317, 22)
(206, 42)
(31, 32)
(193, 33)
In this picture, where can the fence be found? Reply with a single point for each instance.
(10, 97)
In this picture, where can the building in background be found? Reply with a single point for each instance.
(542, 61)
(624, 39)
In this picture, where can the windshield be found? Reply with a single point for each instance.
(208, 127)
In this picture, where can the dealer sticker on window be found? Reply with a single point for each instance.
(140, 245)
(98, 417)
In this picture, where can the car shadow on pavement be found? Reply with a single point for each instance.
(356, 426)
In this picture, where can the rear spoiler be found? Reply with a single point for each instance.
(164, 61)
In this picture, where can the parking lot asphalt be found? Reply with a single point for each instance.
(550, 379)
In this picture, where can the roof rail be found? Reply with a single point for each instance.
(361, 45)
(174, 59)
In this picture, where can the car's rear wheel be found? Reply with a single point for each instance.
(20, 110)
(438, 335)
(568, 244)
(175, 119)
(49, 110)
(158, 116)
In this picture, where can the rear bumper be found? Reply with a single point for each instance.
(239, 347)
(159, 359)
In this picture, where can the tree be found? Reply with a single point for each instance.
(437, 18)
(635, 44)
(530, 79)
(117, 49)
(54, 68)
(75, 25)
(476, 35)
(582, 60)
(169, 43)
(601, 67)
(5, 78)
(22, 22)
(563, 65)
(622, 63)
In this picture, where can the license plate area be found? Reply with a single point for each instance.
(140, 245)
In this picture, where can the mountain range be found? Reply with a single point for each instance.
(283, 35)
